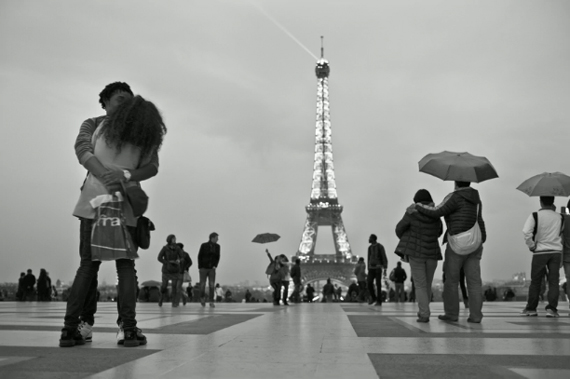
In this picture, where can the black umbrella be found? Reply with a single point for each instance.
(266, 238)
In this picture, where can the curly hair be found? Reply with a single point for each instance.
(138, 122)
(110, 90)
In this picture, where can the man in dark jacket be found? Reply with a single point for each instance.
(399, 279)
(377, 263)
(208, 259)
(460, 209)
(296, 276)
(29, 286)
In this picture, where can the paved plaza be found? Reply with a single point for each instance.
(317, 340)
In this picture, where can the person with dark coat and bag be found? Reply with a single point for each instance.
(208, 260)
(419, 245)
(171, 257)
(462, 211)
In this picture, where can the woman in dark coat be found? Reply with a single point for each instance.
(419, 245)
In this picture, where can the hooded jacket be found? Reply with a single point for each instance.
(459, 209)
(419, 235)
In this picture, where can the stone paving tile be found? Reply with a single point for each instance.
(302, 341)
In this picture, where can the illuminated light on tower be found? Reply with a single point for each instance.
(323, 209)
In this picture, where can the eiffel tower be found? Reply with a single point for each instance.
(324, 208)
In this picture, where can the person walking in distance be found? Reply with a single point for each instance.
(296, 276)
(542, 234)
(171, 257)
(29, 286)
(360, 272)
(219, 292)
(186, 263)
(377, 263)
(208, 259)
(399, 279)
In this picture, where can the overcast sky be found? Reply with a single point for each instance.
(238, 96)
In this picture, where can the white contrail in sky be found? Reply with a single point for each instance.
(284, 30)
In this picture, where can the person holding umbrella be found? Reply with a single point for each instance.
(461, 210)
(465, 234)
(543, 235)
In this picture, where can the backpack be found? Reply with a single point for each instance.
(535, 216)
(392, 276)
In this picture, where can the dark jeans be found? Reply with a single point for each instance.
(538, 270)
(82, 300)
(295, 296)
(276, 291)
(175, 295)
(375, 273)
(361, 290)
(210, 274)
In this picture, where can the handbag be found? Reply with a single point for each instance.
(110, 239)
(467, 242)
(187, 278)
(142, 232)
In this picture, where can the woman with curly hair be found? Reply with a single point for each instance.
(122, 142)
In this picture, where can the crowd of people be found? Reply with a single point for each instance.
(32, 289)
(120, 149)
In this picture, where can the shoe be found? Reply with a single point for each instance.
(70, 338)
(423, 319)
(183, 301)
(160, 302)
(203, 302)
(378, 304)
(552, 313)
(120, 335)
(134, 337)
(86, 331)
(446, 318)
(473, 321)
(212, 305)
(370, 302)
(528, 312)
(174, 305)
(285, 303)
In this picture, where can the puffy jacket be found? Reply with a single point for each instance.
(419, 235)
(459, 210)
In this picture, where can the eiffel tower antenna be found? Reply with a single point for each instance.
(322, 47)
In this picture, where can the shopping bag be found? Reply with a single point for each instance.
(110, 239)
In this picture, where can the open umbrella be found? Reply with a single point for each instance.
(460, 167)
(547, 184)
(151, 283)
(266, 237)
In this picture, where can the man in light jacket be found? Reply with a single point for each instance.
(543, 238)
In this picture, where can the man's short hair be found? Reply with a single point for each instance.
(297, 261)
(180, 245)
(547, 200)
(361, 259)
(212, 235)
(29, 271)
(462, 184)
(110, 90)
(374, 237)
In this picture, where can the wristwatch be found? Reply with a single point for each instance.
(127, 174)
